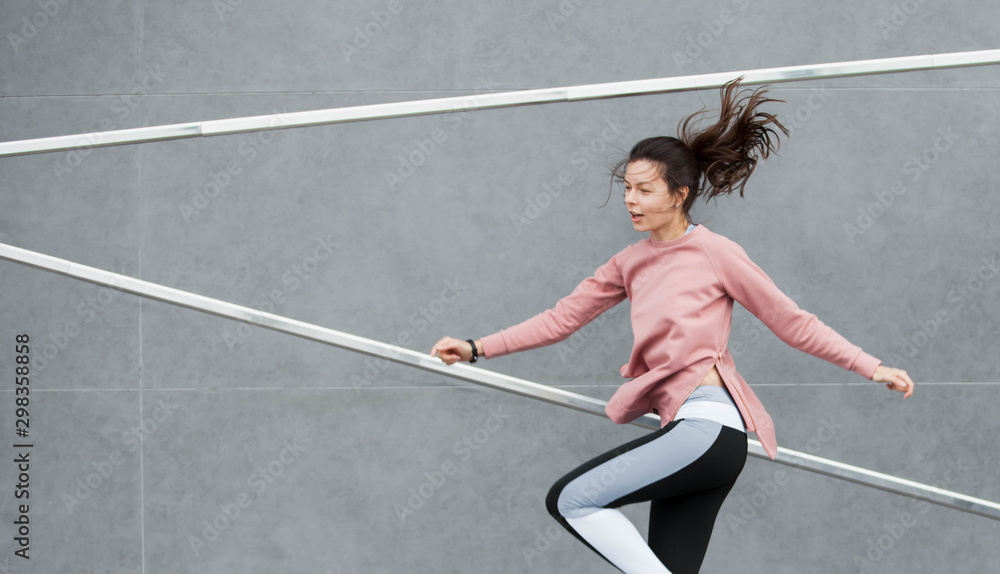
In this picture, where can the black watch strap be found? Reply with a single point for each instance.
(475, 353)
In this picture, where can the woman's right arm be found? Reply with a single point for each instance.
(593, 296)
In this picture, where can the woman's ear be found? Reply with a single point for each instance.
(682, 194)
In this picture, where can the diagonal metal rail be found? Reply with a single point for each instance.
(472, 374)
(497, 100)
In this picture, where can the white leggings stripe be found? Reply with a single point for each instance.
(721, 413)
(616, 538)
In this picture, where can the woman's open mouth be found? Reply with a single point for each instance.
(635, 216)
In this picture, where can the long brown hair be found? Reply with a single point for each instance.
(721, 156)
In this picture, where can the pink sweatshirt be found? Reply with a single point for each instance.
(682, 294)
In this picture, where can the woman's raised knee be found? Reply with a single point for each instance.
(552, 499)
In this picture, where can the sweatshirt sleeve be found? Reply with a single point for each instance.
(751, 287)
(593, 296)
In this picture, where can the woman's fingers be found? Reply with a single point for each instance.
(446, 349)
(907, 382)
(894, 379)
(899, 380)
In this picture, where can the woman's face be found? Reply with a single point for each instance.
(649, 200)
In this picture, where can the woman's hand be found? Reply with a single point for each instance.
(451, 350)
(894, 379)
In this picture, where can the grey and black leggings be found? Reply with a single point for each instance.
(684, 469)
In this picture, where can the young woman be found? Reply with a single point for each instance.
(681, 281)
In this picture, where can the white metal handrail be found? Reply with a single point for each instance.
(496, 100)
(472, 374)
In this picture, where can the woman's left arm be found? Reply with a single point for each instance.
(753, 289)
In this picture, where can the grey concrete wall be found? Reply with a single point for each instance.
(150, 422)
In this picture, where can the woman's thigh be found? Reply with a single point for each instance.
(680, 527)
(684, 456)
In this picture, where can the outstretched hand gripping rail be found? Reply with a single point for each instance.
(472, 374)
(497, 100)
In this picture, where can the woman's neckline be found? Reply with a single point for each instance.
(676, 241)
